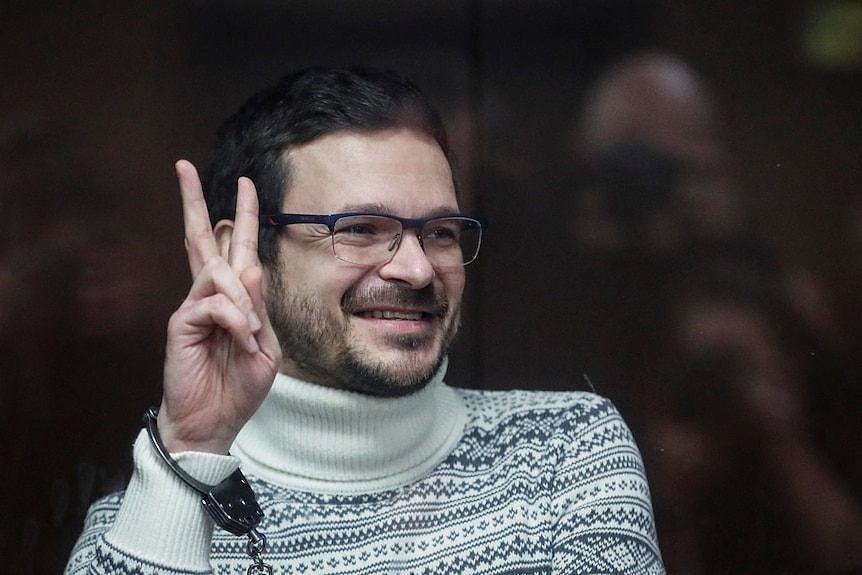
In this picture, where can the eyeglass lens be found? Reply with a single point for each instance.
(373, 240)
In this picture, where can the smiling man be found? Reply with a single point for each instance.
(328, 260)
(380, 324)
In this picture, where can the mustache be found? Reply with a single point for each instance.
(354, 299)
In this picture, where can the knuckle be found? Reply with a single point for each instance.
(175, 319)
(228, 307)
(179, 318)
(220, 301)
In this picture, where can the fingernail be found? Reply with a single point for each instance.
(252, 345)
(254, 321)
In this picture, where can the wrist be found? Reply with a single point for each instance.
(231, 503)
(177, 439)
(215, 447)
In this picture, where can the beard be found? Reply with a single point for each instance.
(318, 343)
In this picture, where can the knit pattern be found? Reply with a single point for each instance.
(541, 482)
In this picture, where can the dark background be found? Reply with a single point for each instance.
(98, 100)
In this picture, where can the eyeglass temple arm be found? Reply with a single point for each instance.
(278, 220)
(393, 245)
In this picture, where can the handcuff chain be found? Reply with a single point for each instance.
(254, 548)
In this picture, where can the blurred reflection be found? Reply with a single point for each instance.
(727, 364)
(739, 474)
(658, 175)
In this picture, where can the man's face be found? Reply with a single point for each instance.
(381, 329)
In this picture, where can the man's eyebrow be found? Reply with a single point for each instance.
(375, 208)
(371, 208)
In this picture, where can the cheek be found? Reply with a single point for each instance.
(453, 283)
(328, 282)
(315, 271)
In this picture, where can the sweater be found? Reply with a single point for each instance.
(441, 481)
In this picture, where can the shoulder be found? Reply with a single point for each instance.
(103, 511)
(100, 517)
(573, 422)
(491, 407)
(574, 437)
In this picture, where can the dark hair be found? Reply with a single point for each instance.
(296, 110)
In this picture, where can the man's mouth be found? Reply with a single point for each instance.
(390, 314)
(395, 304)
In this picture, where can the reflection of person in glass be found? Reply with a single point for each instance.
(719, 355)
(320, 368)
(659, 177)
(739, 474)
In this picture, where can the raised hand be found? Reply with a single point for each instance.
(222, 353)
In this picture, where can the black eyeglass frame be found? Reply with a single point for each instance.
(329, 220)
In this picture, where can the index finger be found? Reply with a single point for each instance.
(243, 242)
(199, 238)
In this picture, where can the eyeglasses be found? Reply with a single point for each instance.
(373, 239)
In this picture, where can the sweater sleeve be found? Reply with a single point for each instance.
(601, 499)
(158, 525)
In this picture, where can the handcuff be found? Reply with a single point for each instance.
(231, 504)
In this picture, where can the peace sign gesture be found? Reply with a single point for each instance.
(222, 354)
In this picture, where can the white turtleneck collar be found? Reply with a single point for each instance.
(315, 438)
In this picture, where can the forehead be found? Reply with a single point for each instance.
(400, 170)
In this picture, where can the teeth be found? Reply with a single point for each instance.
(394, 315)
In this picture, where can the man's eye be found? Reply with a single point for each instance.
(442, 233)
(359, 229)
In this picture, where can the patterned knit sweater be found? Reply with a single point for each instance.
(442, 481)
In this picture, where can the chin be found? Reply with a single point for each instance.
(395, 373)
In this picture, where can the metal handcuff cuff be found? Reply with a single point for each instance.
(231, 503)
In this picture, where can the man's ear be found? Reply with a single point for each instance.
(223, 232)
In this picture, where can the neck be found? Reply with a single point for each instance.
(311, 437)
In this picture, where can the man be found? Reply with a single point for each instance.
(320, 368)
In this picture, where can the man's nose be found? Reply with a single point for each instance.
(409, 265)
